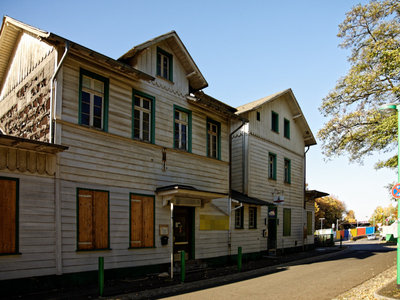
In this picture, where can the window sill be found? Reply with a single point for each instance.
(165, 79)
(92, 250)
(92, 127)
(133, 248)
(11, 254)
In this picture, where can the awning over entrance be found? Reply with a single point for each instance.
(314, 194)
(248, 200)
(185, 195)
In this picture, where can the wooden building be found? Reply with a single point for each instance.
(140, 138)
(269, 160)
(129, 159)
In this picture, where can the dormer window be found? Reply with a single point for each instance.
(164, 64)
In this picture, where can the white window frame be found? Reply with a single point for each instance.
(92, 92)
(143, 111)
(180, 123)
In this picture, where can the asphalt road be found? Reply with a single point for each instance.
(324, 279)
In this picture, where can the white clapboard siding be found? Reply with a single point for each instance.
(262, 128)
(248, 239)
(237, 160)
(147, 62)
(120, 110)
(36, 229)
(211, 243)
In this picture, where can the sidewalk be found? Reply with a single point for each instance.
(251, 270)
(154, 286)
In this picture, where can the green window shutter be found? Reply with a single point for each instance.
(287, 221)
(274, 122)
(309, 223)
(286, 125)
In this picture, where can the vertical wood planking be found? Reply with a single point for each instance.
(85, 220)
(148, 221)
(100, 218)
(136, 221)
(8, 194)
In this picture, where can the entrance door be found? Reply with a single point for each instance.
(272, 228)
(183, 226)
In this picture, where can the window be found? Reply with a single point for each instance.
(164, 64)
(143, 116)
(258, 116)
(93, 219)
(93, 100)
(141, 221)
(252, 217)
(287, 221)
(182, 129)
(287, 171)
(213, 139)
(274, 122)
(286, 128)
(272, 166)
(239, 213)
(309, 223)
(9, 188)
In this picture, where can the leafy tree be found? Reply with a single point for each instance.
(350, 217)
(329, 208)
(356, 127)
(381, 214)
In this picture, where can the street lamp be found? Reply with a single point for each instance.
(396, 107)
(321, 219)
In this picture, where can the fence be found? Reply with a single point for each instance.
(354, 232)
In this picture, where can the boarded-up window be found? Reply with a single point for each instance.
(8, 216)
(142, 221)
(287, 221)
(309, 223)
(93, 220)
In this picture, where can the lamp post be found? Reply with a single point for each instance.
(396, 107)
(321, 219)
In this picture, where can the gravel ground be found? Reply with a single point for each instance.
(368, 288)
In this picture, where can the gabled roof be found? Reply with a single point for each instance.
(297, 113)
(215, 106)
(12, 29)
(193, 74)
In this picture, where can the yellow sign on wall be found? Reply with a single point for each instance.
(212, 222)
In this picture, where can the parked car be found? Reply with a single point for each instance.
(371, 236)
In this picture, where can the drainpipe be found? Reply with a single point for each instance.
(57, 196)
(304, 195)
(244, 121)
(53, 98)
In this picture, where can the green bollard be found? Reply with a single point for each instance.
(183, 271)
(101, 276)
(239, 259)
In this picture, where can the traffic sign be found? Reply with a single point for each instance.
(396, 191)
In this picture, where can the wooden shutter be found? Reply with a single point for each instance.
(142, 221)
(136, 222)
(85, 227)
(93, 220)
(148, 221)
(8, 216)
(100, 212)
(309, 223)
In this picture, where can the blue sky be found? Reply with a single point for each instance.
(245, 49)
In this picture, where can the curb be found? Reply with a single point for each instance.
(377, 296)
(221, 280)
